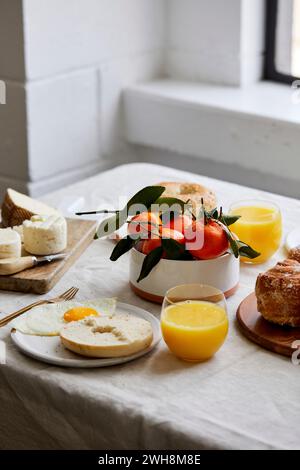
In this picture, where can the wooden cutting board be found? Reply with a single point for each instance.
(43, 278)
(276, 338)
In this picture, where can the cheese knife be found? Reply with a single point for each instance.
(15, 265)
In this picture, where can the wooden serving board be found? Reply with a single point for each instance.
(43, 278)
(276, 338)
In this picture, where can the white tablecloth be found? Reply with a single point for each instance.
(245, 397)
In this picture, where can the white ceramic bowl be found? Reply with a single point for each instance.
(222, 273)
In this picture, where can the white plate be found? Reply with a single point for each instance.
(293, 239)
(49, 348)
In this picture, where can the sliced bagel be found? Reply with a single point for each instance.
(190, 191)
(113, 336)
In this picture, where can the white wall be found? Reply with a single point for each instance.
(79, 54)
(66, 62)
(252, 41)
(215, 41)
(74, 34)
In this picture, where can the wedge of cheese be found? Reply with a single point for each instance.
(10, 243)
(17, 207)
(114, 336)
(45, 235)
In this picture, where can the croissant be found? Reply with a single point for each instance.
(278, 293)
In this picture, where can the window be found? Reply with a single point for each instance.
(283, 40)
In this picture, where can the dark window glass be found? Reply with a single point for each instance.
(283, 40)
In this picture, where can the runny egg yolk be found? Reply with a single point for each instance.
(78, 313)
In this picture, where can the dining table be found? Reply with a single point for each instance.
(245, 397)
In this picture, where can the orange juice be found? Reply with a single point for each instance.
(194, 330)
(259, 226)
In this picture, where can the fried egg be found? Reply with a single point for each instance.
(48, 320)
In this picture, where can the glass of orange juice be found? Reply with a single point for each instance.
(260, 226)
(194, 321)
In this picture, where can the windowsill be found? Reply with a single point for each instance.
(263, 100)
(256, 127)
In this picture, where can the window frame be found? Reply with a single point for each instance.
(270, 72)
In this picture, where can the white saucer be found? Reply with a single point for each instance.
(293, 239)
(49, 348)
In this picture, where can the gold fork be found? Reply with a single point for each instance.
(68, 295)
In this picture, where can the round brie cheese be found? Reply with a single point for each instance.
(10, 243)
(45, 235)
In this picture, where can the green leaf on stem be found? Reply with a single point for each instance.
(170, 201)
(230, 219)
(173, 249)
(232, 241)
(213, 214)
(233, 244)
(124, 245)
(145, 197)
(150, 261)
(246, 250)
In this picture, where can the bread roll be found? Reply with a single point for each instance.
(278, 293)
